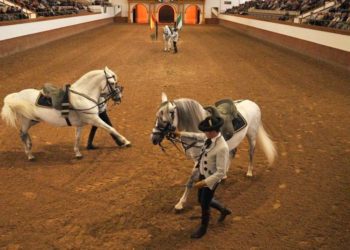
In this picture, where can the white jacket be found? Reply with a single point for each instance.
(214, 160)
(175, 36)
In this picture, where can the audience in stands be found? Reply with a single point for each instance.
(41, 8)
(336, 17)
(287, 5)
(9, 13)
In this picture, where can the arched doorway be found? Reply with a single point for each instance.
(192, 15)
(166, 14)
(140, 14)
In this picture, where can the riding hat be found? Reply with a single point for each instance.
(211, 123)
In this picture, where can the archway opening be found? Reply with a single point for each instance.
(166, 14)
(192, 15)
(140, 14)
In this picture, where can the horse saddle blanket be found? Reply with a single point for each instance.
(54, 97)
(233, 120)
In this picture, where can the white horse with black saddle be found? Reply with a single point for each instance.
(83, 95)
(185, 115)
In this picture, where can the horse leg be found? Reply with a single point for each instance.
(77, 143)
(180, 205)
(25, 137)
(252, 143)
(121, 140)
(194, 177)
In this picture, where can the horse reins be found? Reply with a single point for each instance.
(112, 93)
(168, 133)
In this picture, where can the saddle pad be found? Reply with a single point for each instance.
(43, 101)
(239, 123)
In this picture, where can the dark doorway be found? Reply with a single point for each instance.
(198, 16)
(134, 15)
(166, 14)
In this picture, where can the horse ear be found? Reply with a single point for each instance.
(106, 69)
(164, 97)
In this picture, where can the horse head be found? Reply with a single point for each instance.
(112, 89)
(165, 120)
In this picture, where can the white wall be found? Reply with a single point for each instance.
(123, 4)
(333, 40)
(210, 4)
(23, 29)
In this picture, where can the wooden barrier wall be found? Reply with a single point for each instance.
(11, 46)
(331, 55)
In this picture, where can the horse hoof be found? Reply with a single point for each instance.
(249, 174)
(31, 158)
(79, 157)
(126, 145)
(178, 208)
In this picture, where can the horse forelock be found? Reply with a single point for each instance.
(190, 114)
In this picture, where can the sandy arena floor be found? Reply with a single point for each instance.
(123, 198)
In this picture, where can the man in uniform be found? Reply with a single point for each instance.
(211, 168)
(175, 38)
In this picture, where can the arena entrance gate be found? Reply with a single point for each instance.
(166, 14)
(192, 15)
(140, 14)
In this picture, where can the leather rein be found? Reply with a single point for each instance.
(112, 93)
(168, 132)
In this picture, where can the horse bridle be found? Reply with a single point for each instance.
(169, 127)
(112, 93)
(168, 132)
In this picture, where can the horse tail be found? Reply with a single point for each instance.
(14, 107)
(267, 145)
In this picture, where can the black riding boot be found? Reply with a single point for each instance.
(175, 47)
(202, 229)
(223, 211)
(90, 146)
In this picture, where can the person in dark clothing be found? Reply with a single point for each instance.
(175, 38)
(103, 115)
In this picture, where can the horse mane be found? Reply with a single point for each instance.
(88, 75)
(190, 114)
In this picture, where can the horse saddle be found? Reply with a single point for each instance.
(233, 120)
(54, 97)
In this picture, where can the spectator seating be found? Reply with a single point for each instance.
(42, 8)
(336, 16)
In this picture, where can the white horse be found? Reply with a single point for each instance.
(21, 108)
(185, 115)
(166, 38)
